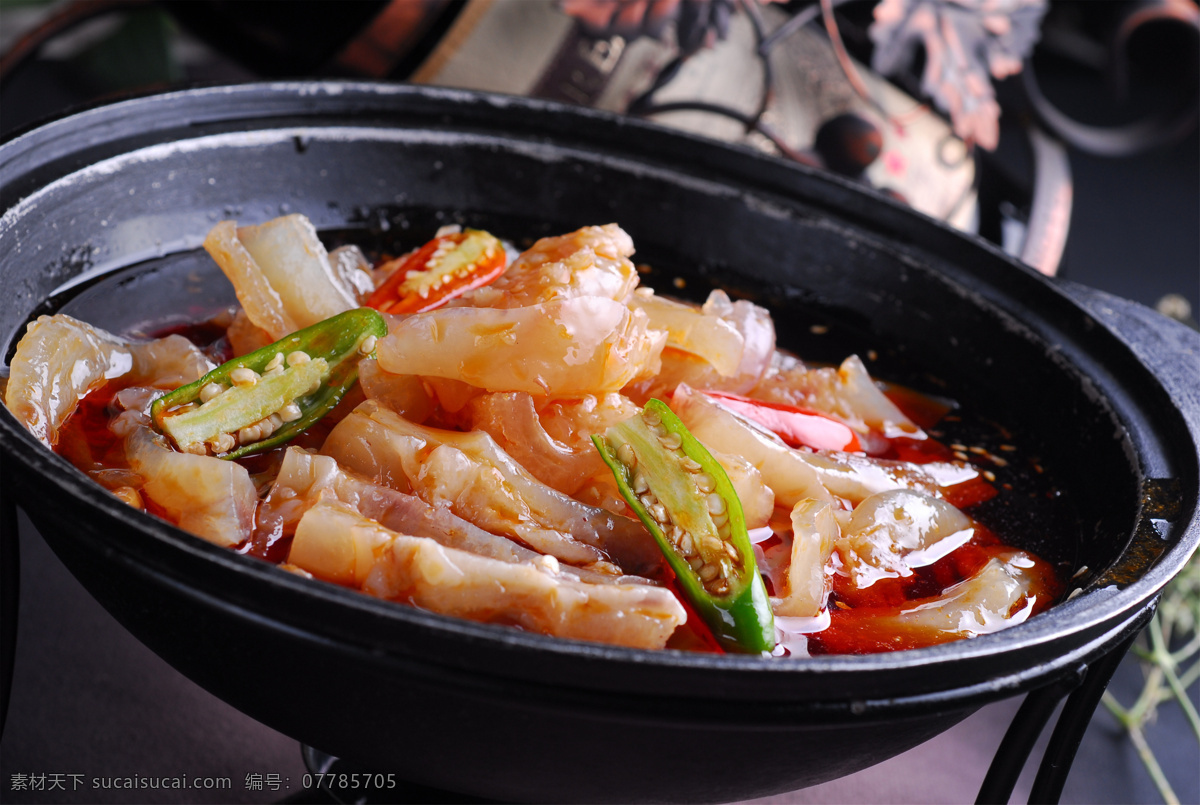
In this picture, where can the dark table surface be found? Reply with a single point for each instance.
(92, 707)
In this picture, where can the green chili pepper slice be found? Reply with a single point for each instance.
(264, 399)
(685, 499)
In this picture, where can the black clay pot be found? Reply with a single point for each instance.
(1106, 392)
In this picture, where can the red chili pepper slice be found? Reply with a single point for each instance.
(445, 267)
(796, 426)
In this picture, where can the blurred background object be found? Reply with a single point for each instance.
(1022, 121)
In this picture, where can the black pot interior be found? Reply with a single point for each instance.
(1101, 444)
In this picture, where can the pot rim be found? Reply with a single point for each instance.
(57, 147)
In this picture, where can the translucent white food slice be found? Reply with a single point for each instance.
(894, 532)
(783, 469)
(591, 261)
(60, 360)
(566, 348)
(814, 530)
(690, 330)
(304, 479)
(995, 598)
(724, 345)
(206, 496)
(798, 474)
(335, 543)
(479, 482)
(281, 273)
(564, 461)
(847, 392)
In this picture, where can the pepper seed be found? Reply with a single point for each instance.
(626, 455)
(243, 377)
(289, 413)
(210, 390)
(223, 443)
(671, 441)
(298, 357)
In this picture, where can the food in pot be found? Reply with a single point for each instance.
(538, 441)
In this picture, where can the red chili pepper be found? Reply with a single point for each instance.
(796, 426)
(445, 267)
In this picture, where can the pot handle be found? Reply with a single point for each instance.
(1168, 348)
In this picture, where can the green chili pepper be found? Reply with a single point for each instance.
(686, 500)
(265, 398)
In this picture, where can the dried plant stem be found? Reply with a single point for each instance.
(1163, 682)
(1151, 763)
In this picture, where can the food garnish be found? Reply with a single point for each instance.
(446, 267)
(264, 399)
(685, 499)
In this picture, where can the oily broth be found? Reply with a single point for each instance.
(188, 295)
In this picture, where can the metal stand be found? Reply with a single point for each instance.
(1082, 688)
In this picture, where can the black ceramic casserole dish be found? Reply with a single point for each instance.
(1107, 392)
